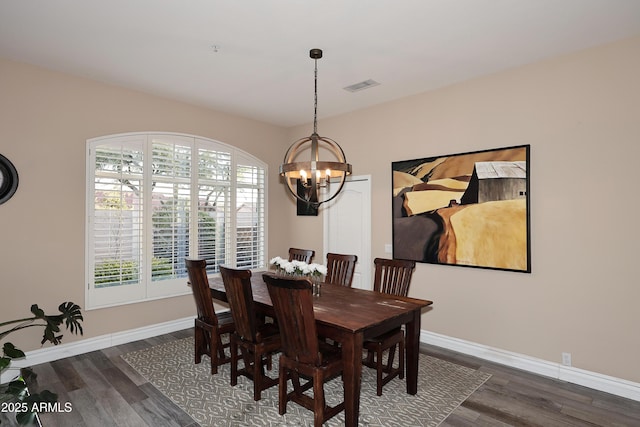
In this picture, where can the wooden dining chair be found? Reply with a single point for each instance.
(304, 356)
(391, 277)
(305, 255)
(209, 327)
(256, 340)
(340, 269)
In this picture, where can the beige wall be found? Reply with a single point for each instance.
(580, 113)
(45, 120)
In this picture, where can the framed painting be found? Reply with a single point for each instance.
(467, 209)
(303, 208)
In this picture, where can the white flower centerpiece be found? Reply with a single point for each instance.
(296, 268)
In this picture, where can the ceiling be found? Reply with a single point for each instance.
(261, 67)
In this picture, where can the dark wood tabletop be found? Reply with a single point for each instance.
(366, 309)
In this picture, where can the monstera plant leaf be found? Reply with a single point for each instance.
(9, 352)
(18, 389)
(71, 316)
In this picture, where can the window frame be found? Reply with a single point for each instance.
(147, 289)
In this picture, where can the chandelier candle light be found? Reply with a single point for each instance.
(315, 174)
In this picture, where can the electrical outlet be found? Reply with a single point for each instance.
(388, 248)
(566, 359)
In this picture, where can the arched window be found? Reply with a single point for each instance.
(154, 199)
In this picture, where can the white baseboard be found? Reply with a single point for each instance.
(594, 380)
(582, 377)
(60, 351)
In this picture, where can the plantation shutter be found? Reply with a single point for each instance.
(117, 219)
(214, 206)
(170, 206)
(250, 214)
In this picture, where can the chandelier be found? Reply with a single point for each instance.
(321, 180)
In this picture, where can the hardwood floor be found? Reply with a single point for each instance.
(104, 391)
(512, 397)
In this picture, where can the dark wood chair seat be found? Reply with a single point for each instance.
(209, 326)
(304, 357)
(255, 340)
(391, 277)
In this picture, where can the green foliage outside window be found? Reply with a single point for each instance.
(161, 267)
(114, 272)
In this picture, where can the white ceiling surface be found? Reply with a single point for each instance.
(262, 69)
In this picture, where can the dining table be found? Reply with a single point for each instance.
(349, 316)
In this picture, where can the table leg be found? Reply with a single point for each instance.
(412, 350)
(352, 357)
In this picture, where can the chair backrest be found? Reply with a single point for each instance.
(237, 285)
(305, 255)
(197, 269)
(393, 276)
(340, 269)
(293, 303)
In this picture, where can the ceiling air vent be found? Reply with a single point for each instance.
(361, 86)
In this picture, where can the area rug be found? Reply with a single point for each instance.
(212, 401)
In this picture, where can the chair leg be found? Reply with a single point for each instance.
(234, 361)
(318, 400)
(282, 390)
(369, 359)
(269, 362)
(295, 380)
(379, 370)
(220, 348)
(257, 376)
(390, 358)
(401, 362)
(213, 346)
(198, 339)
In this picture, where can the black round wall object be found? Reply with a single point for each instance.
(8, 179)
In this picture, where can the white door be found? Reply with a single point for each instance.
(347, 227)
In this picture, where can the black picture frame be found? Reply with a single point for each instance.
(304, 208)
(467, 209)
(8, 179)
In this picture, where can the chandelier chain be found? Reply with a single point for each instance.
(315, 98)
